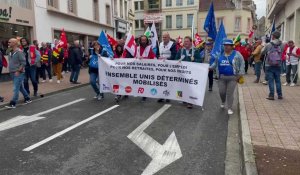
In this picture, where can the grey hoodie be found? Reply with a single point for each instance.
(269, 46)
(16, 61)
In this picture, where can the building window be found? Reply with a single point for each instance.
(21, 3)
(137, 24)
(168, 3)
(169, 22)
(121, 9)
(96, 10)
(190, 20)
(153, 4)
(190, 2)
(126, 10)
(108, 15)
(179, 3)
(179, 21)
(141, 5)
(219, 20)
(72, 6)
(53, 3)
(136, 6)
(237, 24)
(142, 24)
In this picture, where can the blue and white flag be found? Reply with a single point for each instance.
(105, 44)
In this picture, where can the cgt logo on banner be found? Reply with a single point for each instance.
(185, 81)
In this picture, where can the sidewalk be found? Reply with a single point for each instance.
(6, 88)
(274, 127)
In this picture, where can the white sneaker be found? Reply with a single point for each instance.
(283, 74)
(293, 84)
(43, 81)
(50, 80)
(58, 81)
(222, 106)
(265, 82)
(230, 112)
(285, 84)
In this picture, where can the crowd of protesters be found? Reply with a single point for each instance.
(29, 62)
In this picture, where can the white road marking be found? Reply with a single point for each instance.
(162, 155)
(30, 148)
(21, 120)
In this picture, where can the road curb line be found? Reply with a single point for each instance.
(50, 93)
(249, 164)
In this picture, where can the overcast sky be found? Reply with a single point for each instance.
(260, 8)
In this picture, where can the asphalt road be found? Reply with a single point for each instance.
(101, 145)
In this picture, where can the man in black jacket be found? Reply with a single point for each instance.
(76, 55)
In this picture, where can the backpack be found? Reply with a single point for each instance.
(274, 56)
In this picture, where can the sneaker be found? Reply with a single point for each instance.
(222, 106)
(58, 81)
(118, 98)
(189, 106)
(280, 97)
(285, 84)
(210, 89)
(43, 81)
(270, 98)
(292, 85)
(230, 112)
(50, 80)
(265, 82)
(28, 101)
(283, 74)
(160, 100)
(144, 99)
(35, 94)
(100, 97)
(10, 106)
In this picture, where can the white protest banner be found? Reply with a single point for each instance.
(182, 81)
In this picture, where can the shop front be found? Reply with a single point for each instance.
(15, 22)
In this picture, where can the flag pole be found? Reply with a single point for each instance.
(192, 58)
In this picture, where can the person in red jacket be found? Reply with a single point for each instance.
(245, 53)
(144, 50)
(283, 63)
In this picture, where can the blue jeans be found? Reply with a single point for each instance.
(30, 73)
(283, 67)
(93, 81)
(18, 86)
(75, 73)
(274, 75)
(257, 68)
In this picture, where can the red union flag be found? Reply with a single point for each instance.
(63, 43)
(198, 41)
(130, 45)
(111, 40)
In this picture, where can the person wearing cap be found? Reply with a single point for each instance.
(273, 71)
(206, 57)
(231, 67)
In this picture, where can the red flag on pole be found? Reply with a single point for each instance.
(179, 43)
(63, 43)
(111, 40)
(4, 61)
(198, 41)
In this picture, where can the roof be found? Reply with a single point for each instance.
(218, 5)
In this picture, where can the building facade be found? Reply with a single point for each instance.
(123, 17)
(287, 18)
(16, 20)
(81, 20)
(178, 17)
(238, 16)
(147, 12)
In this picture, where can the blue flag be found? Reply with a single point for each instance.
(273, 26)
(105, 44)
(217, 50)
(210, 23)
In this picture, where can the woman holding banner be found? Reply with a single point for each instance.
(231, 67)
(190, 54)
(93, 68)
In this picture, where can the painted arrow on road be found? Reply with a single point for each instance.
(162, 155)
(21, 120)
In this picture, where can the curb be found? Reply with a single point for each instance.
(50, 93)
(249, 164)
